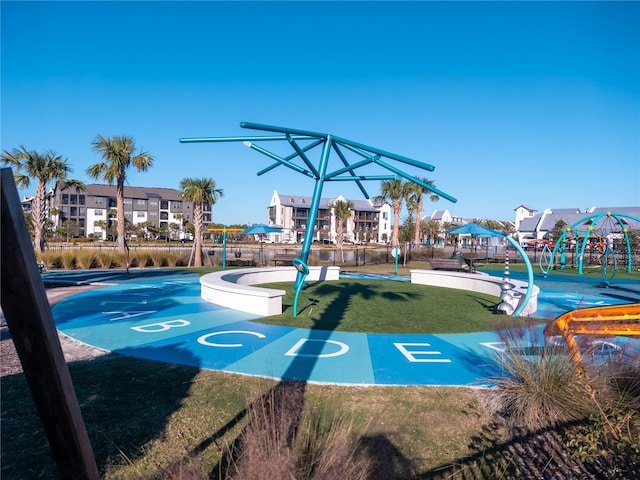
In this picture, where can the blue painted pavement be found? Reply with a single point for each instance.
(159, 315)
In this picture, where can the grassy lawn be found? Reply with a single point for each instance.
(149, 420)
(383, 306)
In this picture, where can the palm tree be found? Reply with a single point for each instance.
(342, 211)
(199, 191)
(46, 168)
(394, 192)
(102, 225)
(433, 229)
(117, 154)
(415, 202)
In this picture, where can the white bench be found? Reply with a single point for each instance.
(232, 288)
(478, 282)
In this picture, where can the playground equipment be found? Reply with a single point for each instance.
(622, 320)
(352, 156)
(604, 225)
(224, 231)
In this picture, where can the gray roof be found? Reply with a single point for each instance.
(572, 216)
(305, 202)
(100, 190)
(529, 224)
(437, 215)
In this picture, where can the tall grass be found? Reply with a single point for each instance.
(539, 386)
(106, 258)
(284, 440)
(593, 408)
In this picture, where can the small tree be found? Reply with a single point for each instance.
(70, 228)
(415, 202)
(393, 192)
(199, 191)
(117, 154)
(342, 211)
(556, 231)
(46, 168)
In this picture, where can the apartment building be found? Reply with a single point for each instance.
(94, 208)
(368, 222)
(538, 226)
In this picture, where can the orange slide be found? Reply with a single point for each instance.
(610, 320)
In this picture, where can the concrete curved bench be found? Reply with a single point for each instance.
(477, 282)
(232, 288)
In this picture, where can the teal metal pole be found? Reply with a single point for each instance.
(224, 248)
(313, 208)
(527, 296)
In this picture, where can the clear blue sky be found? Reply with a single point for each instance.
(534, 103)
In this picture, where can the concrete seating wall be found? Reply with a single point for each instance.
(477, 282)
(232, 288)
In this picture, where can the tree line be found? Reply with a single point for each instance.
(118, 155)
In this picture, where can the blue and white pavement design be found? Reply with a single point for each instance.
(163, 318)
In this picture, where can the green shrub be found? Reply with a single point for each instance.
(610, 438)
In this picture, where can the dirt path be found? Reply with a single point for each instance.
(73, 350)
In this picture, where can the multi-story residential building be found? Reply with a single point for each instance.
(94, 208)
(532, 226)
(368, 222)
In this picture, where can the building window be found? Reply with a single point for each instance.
(176, 205)
(98, 212)
(81, 199)
(128, 201)
(141, 203)
(99, 201)
(81, 211)
(164, 205)
(65, 198)
(153, 203)
(81, 222)
(140, 214)
(74, 199)
(73, 211)
(153, 214)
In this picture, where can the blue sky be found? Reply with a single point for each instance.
(534, 103)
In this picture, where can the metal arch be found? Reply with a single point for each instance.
(347, 172)
(594, 219)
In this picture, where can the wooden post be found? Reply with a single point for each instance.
(28, 315)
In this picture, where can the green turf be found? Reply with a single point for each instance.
(384, 306)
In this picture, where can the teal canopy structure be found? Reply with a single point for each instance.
(476, 231)
(350, 157)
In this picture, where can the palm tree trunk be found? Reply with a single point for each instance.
(39, 216)
(397, 207)
(416, 232)
(197, 241)
(339, 235)
(120, 214)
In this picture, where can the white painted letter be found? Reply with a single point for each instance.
(410, 355)
(344, 348)
(124, 315)
(203, 339)
(161, 327)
